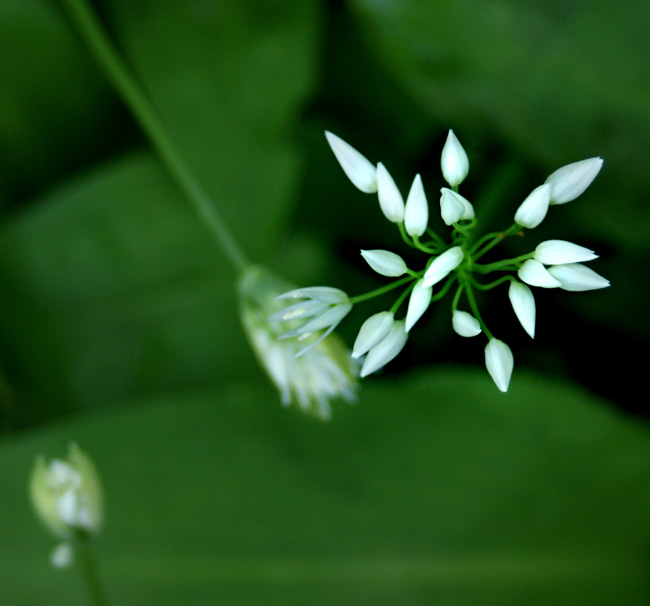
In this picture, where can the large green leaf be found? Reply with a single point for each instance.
(228, 79)
(111, 288)
(436, 489)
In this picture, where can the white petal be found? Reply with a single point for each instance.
(534, 208)
(418, 304)
(534, 273)
(385, 262)
(326, 294)
(451, 207)
(454, 162)
(523, 302)
(331, 317)
(357, 167)
(385, 350)
(68, 508)
(577, 278)
(466, 325)
(390, 200)
(373, 330)
(443, 265)
(558, 252)
(62, 556)
(304, 309)
(568, 182)
(416, 213)
(499, 363)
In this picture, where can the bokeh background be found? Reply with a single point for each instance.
(119, 324)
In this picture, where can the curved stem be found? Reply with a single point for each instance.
(380, 291)
(486, 269)
(513, 229)
(89, 572)
(491, 285)
(475, 310)
(133, 96)
(402, 297)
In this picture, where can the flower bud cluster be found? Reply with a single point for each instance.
(453, 263)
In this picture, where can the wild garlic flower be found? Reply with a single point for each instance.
(453, 264)
(308, 364)
(68, 498)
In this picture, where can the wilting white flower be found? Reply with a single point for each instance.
(454, 162)
(533, 209)
(558, 252)
(373, 330)
(418, 303)
(523, 302)
(577, 278)
(385, 262)
(357, 167)
(464, 324)
(568, 182)
(443, 265)
(67, 494)
(499, 363)
(390, 200)
(416, 213)
(385, 350)
(311, 370)
(534, 273)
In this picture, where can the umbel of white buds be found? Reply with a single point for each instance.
(385, 262)
(568, 182)
(456, 262)
(309, 371)
(453, 161)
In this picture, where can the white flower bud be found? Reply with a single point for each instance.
(416, 213)
(358, 168)
(385, 350)
(577, 278)
(499, 363)
(523, 302)
(558, 252)
(443, 265)
(418, 304)
(451, 207)
(385, 262)
(534, 208)
(67, 494)
(62, 555)
(466, 325)
(454, 162)
(568, 182)
(373, 330)
(390, 200)
(534, 273)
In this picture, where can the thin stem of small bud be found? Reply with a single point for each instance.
(475, 310)
(384, 289)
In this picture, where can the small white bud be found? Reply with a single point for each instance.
(418, 304)
(523, 302)
(454, 162)
(499, 363)
(559, 252)
(372, 331)
(568, 182)
(443, 265)
(390, 200)
(385, 350)
(577, 278)
(416, 213)
(534, 273)
(357, 167)
(466, 325)
(534, 208)
(451, 207)
(385, 262)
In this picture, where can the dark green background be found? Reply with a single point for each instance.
(119, 325)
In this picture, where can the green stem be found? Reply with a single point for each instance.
(402, 297)
(491, 285)
(89, 573)
(475, 310)
(405, 236)
(117, 72)
(513, 229)
(486, 269)
(424, 248)
(380, 291)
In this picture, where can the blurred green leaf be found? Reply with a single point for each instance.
(228, 78)
(112, 288)
(53, 103)
(435, 489)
